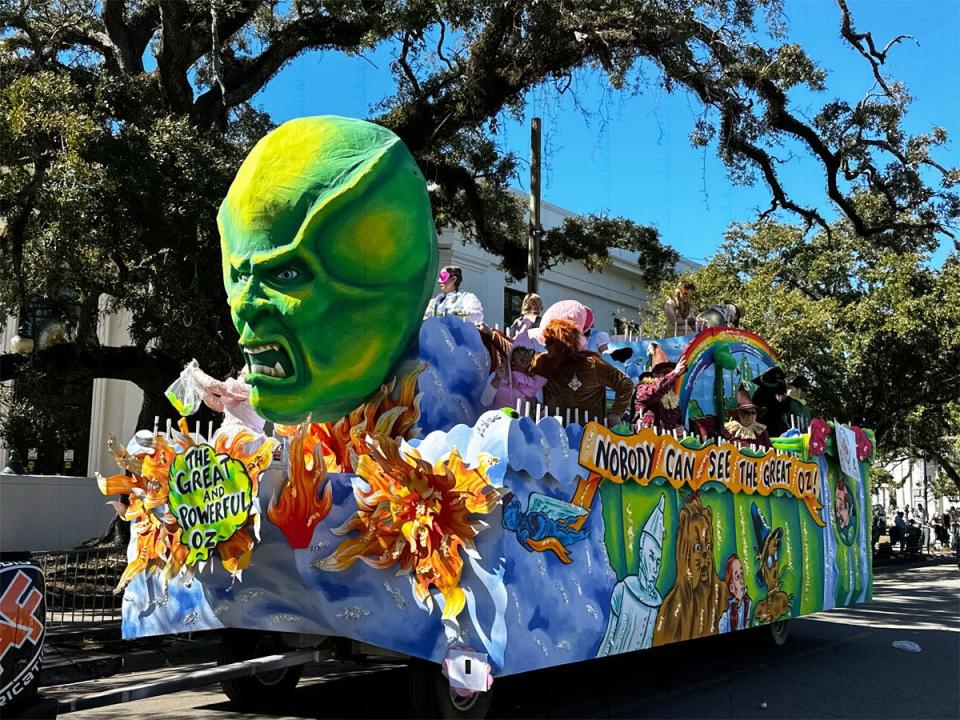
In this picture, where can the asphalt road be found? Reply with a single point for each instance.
(840, 664)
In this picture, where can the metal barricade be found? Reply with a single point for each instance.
(80, 584)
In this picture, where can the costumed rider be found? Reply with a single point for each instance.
(797, 397)
(577, 379)
(742, 429)
(452, 300)
(230, 397)
(654, 401)
(722, 315)
(770, 397)
(531, 310)
(680, 311)
(635, 601)
(511, 382)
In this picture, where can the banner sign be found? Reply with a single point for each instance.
(211, 496)
(846, 450)
(642, 457)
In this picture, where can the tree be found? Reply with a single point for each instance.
(122, 123)
(873, 328)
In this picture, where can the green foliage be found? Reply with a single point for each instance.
(943, 485)
(30, 420)
(589, 239)
(874, 329)
(121, 125)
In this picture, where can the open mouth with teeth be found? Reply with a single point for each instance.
(270, 359)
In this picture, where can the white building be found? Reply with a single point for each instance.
(913, 476)
(618, 291)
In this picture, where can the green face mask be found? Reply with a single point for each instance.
(329, 258)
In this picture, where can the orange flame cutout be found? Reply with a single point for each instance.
(332, 447)
(302, 503)
(417, 516)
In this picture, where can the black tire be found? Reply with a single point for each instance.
(255, 690)
(431, 696)
(779, 632)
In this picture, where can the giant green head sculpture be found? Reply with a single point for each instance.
(329, 258)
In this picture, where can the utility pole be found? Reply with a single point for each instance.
(926, 481)
(533, 236)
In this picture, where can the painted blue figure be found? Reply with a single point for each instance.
(546, 525)
(635, 600)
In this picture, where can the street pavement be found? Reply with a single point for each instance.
(840, 664)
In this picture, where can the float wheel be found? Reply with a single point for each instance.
(432, 697)
(779, 632)
(263, 688)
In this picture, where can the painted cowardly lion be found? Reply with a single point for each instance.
(694, 605)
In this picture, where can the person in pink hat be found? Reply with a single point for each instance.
(571, 310)
(577, 379)
(511, 381)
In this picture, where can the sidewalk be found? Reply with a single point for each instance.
(940, 556)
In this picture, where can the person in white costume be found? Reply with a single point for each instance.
(635, 600)
(454, 301)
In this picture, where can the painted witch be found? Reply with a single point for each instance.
(635, 600)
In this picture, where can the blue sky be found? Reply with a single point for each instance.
(632, 158)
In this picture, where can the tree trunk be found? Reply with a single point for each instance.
(947, 468)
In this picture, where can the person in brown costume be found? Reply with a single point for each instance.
(743, 429)
(577, 380)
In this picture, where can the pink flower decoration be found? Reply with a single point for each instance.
(864, 446)
(819, 431)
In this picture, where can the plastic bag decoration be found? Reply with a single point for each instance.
(329, 258)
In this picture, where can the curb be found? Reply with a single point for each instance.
(901, 563)
(67, 670)
(199, 652)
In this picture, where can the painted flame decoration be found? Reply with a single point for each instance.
(415, 515)
(317, 449)
(155, 528)
(302, 504)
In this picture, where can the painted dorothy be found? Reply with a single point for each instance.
(392, 501)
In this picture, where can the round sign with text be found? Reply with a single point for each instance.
(210, 496)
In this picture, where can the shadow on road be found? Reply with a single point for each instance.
(836, 664)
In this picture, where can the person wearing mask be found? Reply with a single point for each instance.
(451, 300)
(511, 382)
(771, 400)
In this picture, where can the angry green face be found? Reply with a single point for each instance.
(329, 258)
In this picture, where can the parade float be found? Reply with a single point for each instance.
(384, 506)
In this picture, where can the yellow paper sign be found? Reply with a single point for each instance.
(642, 457)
